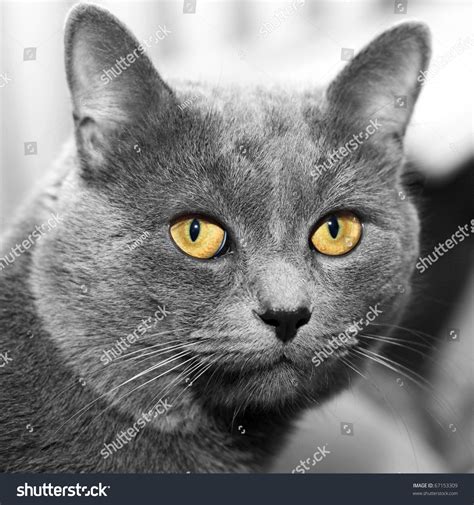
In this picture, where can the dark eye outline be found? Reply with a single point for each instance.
(224, 247)
(324, 219)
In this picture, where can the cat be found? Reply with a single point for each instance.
(134, 346)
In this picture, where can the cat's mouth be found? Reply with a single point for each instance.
(284, 358)
(280, 361)
(271, 363)
(287, 361)
(274, 376)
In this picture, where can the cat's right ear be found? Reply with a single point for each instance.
(112, 81)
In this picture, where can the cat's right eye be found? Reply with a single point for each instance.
(198, 237)
(337, 234)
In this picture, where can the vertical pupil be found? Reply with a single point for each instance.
(194, 229)
(333, 226)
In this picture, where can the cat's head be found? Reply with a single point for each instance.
(262, 222)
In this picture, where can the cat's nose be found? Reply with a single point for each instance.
(286, 322)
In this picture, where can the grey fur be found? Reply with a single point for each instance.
(140, 161)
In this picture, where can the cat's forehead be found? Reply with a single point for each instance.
(253, 113)
(256, 151)
(258, 129)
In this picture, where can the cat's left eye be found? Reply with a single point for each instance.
(337, 233)
(198, 237)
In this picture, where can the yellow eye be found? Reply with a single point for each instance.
(199, 238)
(337, 234)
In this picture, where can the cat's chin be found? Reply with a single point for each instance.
(279, 384)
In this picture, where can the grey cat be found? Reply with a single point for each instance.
(169, 321)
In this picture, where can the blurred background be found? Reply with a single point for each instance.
(386, 422)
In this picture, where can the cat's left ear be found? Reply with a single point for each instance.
(383, 81)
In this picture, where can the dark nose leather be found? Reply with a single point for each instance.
(286, 323)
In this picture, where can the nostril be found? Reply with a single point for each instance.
(303, 317)
(269, 318)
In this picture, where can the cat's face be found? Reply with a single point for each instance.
(205, 202)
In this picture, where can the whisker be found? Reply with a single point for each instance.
(431, 414)
(86, 407)
(162, 351)
(417, 333)
(158, 376)
(425, 385)
(401, 340)
(396, 363)
(346, 362)
(176, 381)
(394, 342)
(139, 387)
(146, 348)
(194, 379)
(377, 358)
(437, 362)
(395, 414)
(114, 362)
